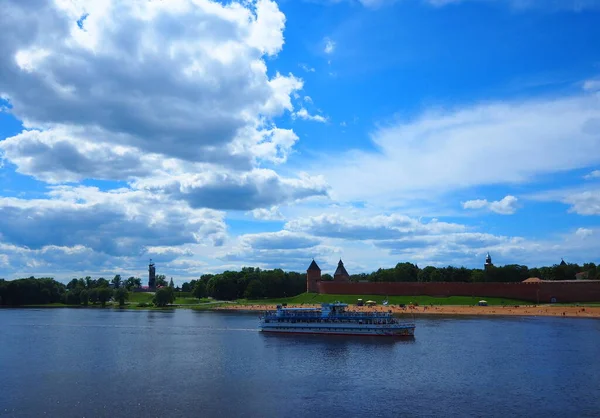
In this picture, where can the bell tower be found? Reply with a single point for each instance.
(151, 275)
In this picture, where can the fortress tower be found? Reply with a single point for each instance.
(151, 275)
(341, 275)
(313, 277)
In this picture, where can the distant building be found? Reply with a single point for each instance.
(341, 275)
(488, 262)
(151, 276)
(562, 262)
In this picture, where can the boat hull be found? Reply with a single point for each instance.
(383, 331)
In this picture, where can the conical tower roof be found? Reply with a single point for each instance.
(341, 270)
(313, 266)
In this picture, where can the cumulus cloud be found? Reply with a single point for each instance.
(270, 214)
(282, 240)
(303, 114)
(484, 144)
(121, 222)
(187, 80)
(380, 227)
(582, 200)
(236, 191)
(505, 206)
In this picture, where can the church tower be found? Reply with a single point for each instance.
(488, 262)
(151, 275)
(313, 277)
(341, 275)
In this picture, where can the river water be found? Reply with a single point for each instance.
(94, 362)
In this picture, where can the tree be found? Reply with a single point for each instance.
(163, 297)
(133, 283)
(101, 282)
(84, 297)
(186, 287)
(161, 280)
(255, 290)
(93, 295)
(104, 295)
(116, 281)
(327, 277)
(121, 295)
(200, 289)
(171, 284)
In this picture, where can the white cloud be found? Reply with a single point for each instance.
(329, 46)
(583, 200)
(442, 151)
(593, 175)
(584, 203)
(505, 206)
(303, 114)
(271, 214)
(121, 222)
(223, 190)
(187, 80)
(583, 232)
(379, 227)
(308, 99)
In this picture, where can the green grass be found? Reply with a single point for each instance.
(140, 297)
(309, 298)
(190, 301)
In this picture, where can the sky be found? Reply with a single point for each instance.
(209, 135)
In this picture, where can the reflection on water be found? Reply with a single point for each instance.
(92, 362)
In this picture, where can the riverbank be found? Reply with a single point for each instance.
(507, 310)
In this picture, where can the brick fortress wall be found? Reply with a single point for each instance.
(580, 291)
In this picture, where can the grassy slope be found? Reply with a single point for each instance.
(395, 300)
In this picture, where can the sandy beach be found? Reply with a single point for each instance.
(522, 310)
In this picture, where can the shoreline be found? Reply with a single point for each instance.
(452, 310)
(569, 311)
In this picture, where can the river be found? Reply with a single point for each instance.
(94, 362)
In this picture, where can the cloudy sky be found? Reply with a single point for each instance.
(213, 135)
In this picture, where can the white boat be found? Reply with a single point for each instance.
(333, 318)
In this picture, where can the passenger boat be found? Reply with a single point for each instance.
(333, 318)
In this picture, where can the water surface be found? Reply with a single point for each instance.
(92, 362)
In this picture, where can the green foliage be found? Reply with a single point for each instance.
(254, 290)
(161, 280)
(84, 297)
(326, 277)
(104, 295)
(163, 297)
(101, 282)
(116, 281)
(200, 289)
(121, 295)
(186, 287)
(31, 291)
(133, 283)
(93, 296)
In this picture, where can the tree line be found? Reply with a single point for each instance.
(511, 273)
(255, 283)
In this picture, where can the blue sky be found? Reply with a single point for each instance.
(214, 135)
